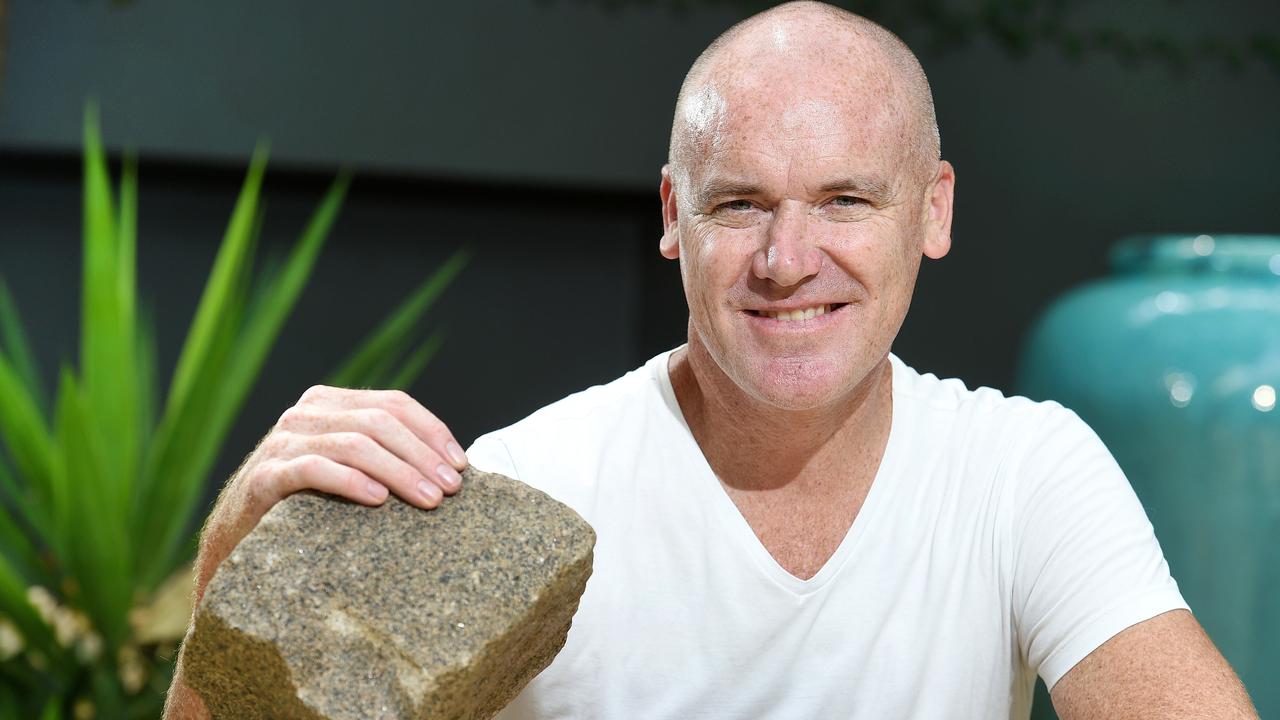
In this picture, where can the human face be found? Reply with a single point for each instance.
(799, 199)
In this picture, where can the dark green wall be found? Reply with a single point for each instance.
(513, 123)
(534, 131)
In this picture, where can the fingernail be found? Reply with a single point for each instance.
(429, 492)
(455, 453)
(448, 475)
(376, 490)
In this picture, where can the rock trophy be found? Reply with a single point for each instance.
(330, 609)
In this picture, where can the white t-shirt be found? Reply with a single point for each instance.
(999, 539)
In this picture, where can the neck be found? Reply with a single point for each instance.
(752, 445)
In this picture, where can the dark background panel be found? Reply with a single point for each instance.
(533, 131)
(478, 89)
(550, 302)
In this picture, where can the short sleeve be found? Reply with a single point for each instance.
(1087, 564)
(490, 453)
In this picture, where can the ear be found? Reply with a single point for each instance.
(941, 200)
(669, 245)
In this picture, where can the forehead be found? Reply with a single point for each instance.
(846, 118)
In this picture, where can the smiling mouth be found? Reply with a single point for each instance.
(799, 314)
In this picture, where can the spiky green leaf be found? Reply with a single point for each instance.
(15, 605)
(391, 333)
(147, 377)
(251, 348)
(218, 293)
(17, 530)
(94, 533)
(108, 345)
(23, 430)
(14, 495)
(13, 342)
(417, 362)
(181, 432)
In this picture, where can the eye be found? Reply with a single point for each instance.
(846, 201)
(735, 206)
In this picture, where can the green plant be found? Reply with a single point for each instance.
(100, 486)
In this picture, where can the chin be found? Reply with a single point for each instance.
(796, 383)
(790, 379)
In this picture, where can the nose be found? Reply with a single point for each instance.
(789, 255)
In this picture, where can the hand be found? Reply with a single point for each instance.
(358, 444)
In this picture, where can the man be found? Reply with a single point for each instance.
(791, 522)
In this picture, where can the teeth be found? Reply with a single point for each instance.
(805, 314)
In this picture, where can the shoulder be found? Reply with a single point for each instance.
(946, 408)
(591, 410)
(560, 447)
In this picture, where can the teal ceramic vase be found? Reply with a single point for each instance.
(1175, 361)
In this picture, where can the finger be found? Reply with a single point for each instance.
(383, 427)
(317, 472)
(417, 418)
(363, 453)
(427, 426)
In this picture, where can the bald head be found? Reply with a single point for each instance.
(808, 52)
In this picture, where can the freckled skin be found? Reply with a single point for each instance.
(789, 123)
(796, 245)
(795, 428)
(795, 425)
(790, 132)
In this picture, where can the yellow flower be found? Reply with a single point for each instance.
(133, 669)
(11, 642)
(165, 617)
(89, 647)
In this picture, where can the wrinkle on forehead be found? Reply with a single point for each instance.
(752, 97)
(819, 117)
(755, 116)
(801, 73)
(813, 117)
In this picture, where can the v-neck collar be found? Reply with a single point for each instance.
(710, 491)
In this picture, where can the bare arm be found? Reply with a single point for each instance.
(358, 444)
(183, 703)
(1165, 667)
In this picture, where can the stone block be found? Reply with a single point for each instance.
(334, 610)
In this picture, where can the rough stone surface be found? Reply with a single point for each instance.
(330, 609)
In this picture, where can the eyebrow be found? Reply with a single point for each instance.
(719, 188)
(872, 188)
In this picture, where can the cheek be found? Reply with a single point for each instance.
(706, 245)
(888, 253)
(711, 263)
(897, 280)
